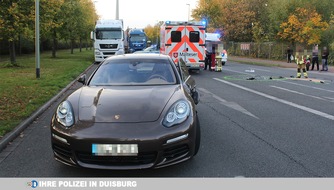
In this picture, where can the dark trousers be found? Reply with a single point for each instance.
(289, 58)
(315, 60)
(208, 62)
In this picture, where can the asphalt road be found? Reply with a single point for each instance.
(256, 122)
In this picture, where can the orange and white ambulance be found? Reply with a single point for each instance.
(185, 40)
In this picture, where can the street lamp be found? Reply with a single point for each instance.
(37, 48)
(188, 10)
(117, 9)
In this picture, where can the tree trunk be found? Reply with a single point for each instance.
(12, 53)
(80, 45)
(72, 46)
(20, 45)
(54, 44)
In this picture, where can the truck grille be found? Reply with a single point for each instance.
(108, 46)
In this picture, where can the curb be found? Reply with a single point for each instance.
(24, 124)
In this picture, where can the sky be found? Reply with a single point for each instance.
(140, 13)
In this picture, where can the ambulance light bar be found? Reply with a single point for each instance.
(195, 23)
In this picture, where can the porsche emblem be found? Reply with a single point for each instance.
(117, 117)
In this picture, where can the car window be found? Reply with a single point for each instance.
(194, 36)
(134, 72)
(176, 36)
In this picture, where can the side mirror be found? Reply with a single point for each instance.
(195, 96)
(190, 82)
(82, 79)
(92, 35)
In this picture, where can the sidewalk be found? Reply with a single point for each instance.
(275, 63)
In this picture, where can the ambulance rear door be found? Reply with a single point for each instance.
(194, 47)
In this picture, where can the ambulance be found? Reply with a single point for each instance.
(186, 40)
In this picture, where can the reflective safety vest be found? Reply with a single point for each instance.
(299, 60)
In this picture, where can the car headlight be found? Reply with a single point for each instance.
(97, 53)
(65, 114)
(178, 113)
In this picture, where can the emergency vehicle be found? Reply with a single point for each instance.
(186, 40)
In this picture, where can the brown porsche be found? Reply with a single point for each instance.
(135, 111)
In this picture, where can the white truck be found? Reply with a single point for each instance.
(108, 39)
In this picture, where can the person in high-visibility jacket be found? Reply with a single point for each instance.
(300, 66)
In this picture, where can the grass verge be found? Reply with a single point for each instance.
(21, 93)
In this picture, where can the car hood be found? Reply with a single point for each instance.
(123, 103)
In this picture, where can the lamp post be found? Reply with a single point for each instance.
(37, 53)
(117, 9)
(188, 10)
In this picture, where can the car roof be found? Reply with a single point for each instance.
(138, 56)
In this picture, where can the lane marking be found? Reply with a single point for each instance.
(257, 69)
(331, 98)
(300, 93)
(308, 79)
(304, 108)
(232, 105)
(307, 86)
(238, 72)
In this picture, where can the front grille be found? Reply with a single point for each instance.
(175, 152)
(108, 53)
(142, 158)
(108, 46)
(62, 151)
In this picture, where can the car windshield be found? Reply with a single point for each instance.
(134, 72)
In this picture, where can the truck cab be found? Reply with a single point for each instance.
(108, 39)
(137, 40)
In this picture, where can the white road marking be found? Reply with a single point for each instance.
(330, 98)
(296, 92)
(238, 72)
(307, 86)
(257, 69)
(304, 108)
(232, 105)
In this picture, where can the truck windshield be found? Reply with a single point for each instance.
(138, 38)
(108, 34)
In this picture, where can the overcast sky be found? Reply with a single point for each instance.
(140, 13)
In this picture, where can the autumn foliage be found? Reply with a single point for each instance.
(303, 26)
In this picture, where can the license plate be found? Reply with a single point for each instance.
(115, 149)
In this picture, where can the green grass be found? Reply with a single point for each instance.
(21, 93)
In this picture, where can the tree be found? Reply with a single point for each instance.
(50, 21)
(211, 11)
(304, 26)
(153, 32)
(71, 15)
(328, 35)
(16, 16)
(87, 20)
(238, 20)
(261, 24)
